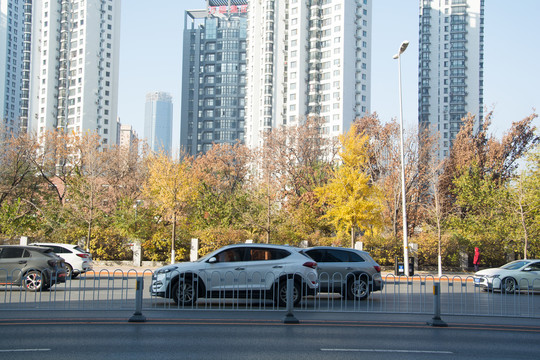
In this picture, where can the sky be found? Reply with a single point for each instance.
(151, 59)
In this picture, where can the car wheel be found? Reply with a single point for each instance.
(69, 271)
(508, 285)
(33, 281)
(183, 292)
(281, 298)
(358, 287)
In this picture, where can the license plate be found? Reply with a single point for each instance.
(477, 280)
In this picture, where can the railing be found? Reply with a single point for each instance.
(117, 290)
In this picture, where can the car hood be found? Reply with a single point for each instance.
(492, 271)
(177, 266)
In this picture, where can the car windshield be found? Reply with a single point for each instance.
(514, 265)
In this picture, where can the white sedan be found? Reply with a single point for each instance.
(514, 276)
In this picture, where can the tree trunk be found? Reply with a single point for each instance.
(173, 240)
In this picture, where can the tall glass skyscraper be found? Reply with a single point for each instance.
(214, 76)
(158, 122)
(451, 67)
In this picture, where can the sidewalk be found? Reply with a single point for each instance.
(108, 268)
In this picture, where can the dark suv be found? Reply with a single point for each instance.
(31, 267)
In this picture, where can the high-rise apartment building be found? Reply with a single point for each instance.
(158, 117)
(307, 58)
(74, 83)
(451, 66)
(15, 49)
(126, 136)
(214, 76)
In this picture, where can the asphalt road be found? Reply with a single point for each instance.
(261, 335)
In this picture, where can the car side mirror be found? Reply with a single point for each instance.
(527, 269)
(212, 260)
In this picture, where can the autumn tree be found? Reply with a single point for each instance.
(87, 191)
(383, 164)
(350, 198)
(170, 187)
(17, 183)
(293, 161)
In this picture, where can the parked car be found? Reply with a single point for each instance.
(514, 276)
(242, 270)
(77, 260)
(350, 272)
(32, 267)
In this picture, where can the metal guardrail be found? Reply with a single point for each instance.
(120, 290)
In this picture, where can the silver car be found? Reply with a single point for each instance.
(238, 271)
(350, 272)
(514, 276)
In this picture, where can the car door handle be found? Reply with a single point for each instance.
(22, 262)
(350, 268)
(277, 267)
(240, 268)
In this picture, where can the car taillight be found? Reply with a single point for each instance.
(84, 256)
(377, 268)
(310, 264)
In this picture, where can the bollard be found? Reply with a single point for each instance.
(289, 316)
(138, 316)
(436, 320)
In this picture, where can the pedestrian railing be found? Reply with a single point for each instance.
(118, 290)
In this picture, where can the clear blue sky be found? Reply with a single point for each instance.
(151, 59)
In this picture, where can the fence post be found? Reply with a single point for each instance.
(138, 316)
(436, 320)
(289, 316)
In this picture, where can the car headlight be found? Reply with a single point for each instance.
(164, 271)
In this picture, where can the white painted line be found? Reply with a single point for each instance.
(390, 351)
(24, 350)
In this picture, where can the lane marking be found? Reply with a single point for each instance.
(24, 350)
(389, 351)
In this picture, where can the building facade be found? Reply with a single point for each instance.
(158, 122)
(214, 76)
(307, 58)
(127, 137)
(451, 63)
(74, 81)
(15, 50)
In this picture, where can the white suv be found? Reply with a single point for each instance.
(77, 260)
(242, 270)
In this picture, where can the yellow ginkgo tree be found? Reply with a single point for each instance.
(350, 199)
(171, 188)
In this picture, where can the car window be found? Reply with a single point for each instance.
(514, 265)
(258, 254)
(316, 254)
(354, 257)
(535, 266)
(333, 255)
(12, 253)
(79, 249)
(230, 255)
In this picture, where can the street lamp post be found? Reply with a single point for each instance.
(403, 194)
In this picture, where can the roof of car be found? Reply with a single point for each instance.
(334, 248)
(29, 247)
(52, 244)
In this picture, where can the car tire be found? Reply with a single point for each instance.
(34, 281)
(183, 292)
(358, 287)
(508, 285)
(69, 271)
(281, 294)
